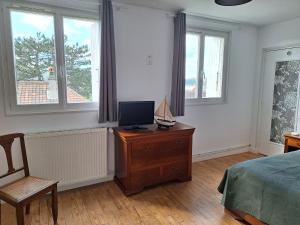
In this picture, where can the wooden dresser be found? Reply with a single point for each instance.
(292, 143)
(153, 156)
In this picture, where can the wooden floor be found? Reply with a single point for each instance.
(195, 202)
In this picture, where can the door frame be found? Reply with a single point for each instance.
(261, 86)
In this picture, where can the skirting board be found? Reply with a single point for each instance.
(196, 158)
(221, 153)
(79, 184)
(88, 182)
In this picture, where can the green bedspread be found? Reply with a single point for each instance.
(267, 188)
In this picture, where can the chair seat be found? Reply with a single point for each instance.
(24, 188)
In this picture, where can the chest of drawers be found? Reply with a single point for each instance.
(153, 156)
(292, 143)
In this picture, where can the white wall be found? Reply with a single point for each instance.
(279, 34)
(275, 35)
(228, 125)
(141, 32)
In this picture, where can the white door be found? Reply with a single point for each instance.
(279, 99)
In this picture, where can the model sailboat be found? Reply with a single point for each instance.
(163, 115)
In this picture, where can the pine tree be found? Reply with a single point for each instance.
(34, 55)
(78, 68)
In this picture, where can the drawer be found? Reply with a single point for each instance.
(178, 170)
(294, 142)
(149, 153)
(145, 178)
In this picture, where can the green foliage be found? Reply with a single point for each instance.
(34, 55)
(78, 67)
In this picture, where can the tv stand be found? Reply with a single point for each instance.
(157, 156)
(135, 127)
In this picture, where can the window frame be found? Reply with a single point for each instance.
(7, 52)
(227, 38)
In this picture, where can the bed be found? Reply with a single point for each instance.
(264, 190)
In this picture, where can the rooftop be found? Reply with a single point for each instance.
(35, 92)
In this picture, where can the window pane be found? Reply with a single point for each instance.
(192, 65)
(82, 59)
(213, 67)
(34, 55)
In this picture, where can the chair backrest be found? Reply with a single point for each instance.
(6, 142)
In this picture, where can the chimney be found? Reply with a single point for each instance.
(52, 92)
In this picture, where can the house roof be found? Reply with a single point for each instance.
(35, 92)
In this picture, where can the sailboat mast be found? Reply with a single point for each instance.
(165, 109)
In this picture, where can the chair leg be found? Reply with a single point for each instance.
(20, 215)
(54, 204)
(28, 208)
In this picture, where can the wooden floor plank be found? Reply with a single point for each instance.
(191, 203)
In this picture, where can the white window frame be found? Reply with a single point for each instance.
(8, 70)
(227, 37)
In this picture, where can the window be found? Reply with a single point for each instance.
(34, 57)
(54, 60)
(206, 60)
(192, 65)
(82, 60)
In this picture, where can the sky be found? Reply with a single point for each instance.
(192, 56)
(28, 24)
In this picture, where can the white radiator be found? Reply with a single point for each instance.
(74, 158)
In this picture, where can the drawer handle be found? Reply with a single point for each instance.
(179, 142)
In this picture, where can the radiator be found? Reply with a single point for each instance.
(74, 158)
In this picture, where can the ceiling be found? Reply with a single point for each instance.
(257, 12)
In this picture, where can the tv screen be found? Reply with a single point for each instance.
(136, 113)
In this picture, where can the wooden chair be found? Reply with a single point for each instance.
(21, 192)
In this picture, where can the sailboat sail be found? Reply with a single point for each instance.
(163, 115)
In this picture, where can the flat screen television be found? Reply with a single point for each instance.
(136, 113)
